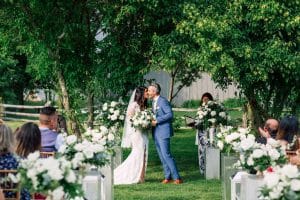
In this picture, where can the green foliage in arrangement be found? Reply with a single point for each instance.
(254, 44)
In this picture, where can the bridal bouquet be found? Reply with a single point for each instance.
(210, 115)
(94, 148)
(258, 157)
(111, 114)
(281, 183)
(228, 138)
(142, 119)
(50, 176)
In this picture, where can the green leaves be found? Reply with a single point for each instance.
(252, 44)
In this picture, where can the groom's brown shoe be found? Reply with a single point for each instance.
(166, 181)
(178, 181)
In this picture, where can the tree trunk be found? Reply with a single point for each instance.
(72, 122)
(90, 105)
(171, 89)
(256, 112)
(245, 115)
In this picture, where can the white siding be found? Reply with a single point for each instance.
(195, 91)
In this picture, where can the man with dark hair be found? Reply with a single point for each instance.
(51, 141)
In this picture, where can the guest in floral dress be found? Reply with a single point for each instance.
(28, 139)
(7, 158)
(201, 138)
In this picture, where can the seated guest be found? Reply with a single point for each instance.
(288, 130)
(61, 124)
(28, 139)
(268, 131)
(48, 126)
(7, 158)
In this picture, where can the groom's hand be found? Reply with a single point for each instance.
(153, 122)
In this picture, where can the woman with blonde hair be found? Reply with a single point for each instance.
(8, 160)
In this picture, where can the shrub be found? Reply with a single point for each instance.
(193, 103)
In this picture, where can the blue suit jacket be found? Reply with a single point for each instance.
(164, 116)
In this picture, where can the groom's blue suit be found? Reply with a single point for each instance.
(162, 133)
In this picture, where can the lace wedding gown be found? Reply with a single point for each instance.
(133, 169)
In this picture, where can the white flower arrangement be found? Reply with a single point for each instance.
(53, 177)
(94, 148)
(111, 113)
(281, 183)
(142, 119)
(210, 115)
(256, 157)
(228, 138)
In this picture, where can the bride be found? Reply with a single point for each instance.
(133, 169)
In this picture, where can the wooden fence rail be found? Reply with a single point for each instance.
(21, 116)
(17, 116)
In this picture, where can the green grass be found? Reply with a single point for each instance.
(14, 124)
(185, 154)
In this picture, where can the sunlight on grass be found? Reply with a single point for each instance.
(185, 154)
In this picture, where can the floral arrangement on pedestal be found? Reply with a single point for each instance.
(228, 138)
(111, 114)
(210, 115)
(50, 176)
(142, 119)
(94, 148)
(256, 157)
(281, 183)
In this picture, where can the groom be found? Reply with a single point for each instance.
(162, 132)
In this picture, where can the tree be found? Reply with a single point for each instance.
(171, 53)
(15, 78)
(60, 34)
(252, 43)
(140, 39)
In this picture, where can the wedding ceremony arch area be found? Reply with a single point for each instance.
(152, 99)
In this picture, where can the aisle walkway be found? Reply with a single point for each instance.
(194, 187)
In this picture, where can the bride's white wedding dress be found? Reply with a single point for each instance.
(133, 169)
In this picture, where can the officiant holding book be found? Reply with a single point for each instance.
(201, 135)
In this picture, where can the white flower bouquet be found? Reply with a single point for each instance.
(281, 183)
(228, 138)
(111, 114)
(94, 148)
(142, 119)
(256, 157)
(50, 176)
(210, 115)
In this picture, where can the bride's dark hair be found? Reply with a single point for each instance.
(139, 97)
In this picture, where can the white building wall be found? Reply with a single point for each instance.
(195, 91)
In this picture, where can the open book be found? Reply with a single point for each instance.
(190, 121)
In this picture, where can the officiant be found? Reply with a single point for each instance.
(201, 135)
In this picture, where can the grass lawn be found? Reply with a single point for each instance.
(14, 124)
(194, 187)
(184, 150)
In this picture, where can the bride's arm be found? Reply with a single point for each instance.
(131, 110)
